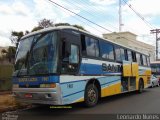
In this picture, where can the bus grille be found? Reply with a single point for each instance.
(29, 86)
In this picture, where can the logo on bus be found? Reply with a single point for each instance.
(111, 68)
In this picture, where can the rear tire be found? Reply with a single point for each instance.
(91, 95)
(141, 86)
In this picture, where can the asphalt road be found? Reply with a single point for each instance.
(128, 103)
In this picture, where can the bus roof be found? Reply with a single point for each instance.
(74, 28)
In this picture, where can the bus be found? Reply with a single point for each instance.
(64, 65)
(155, 68)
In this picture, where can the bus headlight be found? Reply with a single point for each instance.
(51, 85)
(15, 86)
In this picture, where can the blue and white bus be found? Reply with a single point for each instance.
(64, 65)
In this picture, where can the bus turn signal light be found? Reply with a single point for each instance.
(51, 85)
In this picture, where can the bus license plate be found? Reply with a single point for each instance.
(28, 95)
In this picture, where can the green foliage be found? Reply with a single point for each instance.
(5, 76)
(79, 27)
(16, 36)
(11, 53)
(36, 29)
(62, 24)
(3, 51)
(44, 23)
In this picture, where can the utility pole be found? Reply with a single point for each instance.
(156, 31)
(120, 16)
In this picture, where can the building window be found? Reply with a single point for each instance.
(107, 51)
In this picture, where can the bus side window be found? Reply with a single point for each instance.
(134, 56)
(123, 56)
(138, 58)
(126, 55)
(118, 53)
(92, 47)
(106, 50)
(148, 61)
(129, 55)
(144, 60)
(141, 60)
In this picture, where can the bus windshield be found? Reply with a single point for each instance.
(37, 55)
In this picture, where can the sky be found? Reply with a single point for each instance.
(22, 15)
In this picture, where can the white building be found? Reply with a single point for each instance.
(129, 39)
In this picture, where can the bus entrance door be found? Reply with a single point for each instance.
(129, 76)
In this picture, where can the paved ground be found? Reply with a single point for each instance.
(129, 103)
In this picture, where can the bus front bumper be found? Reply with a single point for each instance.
(50, 96)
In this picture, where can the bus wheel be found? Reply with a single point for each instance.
(91, 95)
(141, 86)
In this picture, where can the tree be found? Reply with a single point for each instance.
(16, 36)
(3, 51)
(11, 51)
(36, 28)
(45, 23)
(79, 27)
(62, 24)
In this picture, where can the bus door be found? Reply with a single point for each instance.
(129, 76)
(70, 52)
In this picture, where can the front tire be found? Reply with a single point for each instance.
(91, 95)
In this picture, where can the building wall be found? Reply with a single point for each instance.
(129, 39)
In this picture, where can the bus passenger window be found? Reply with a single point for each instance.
(92, 47)
(123, 54)
(129, 55)
(148, 61)
(134, 56)
(106, 50)
(144, 60)
(138, 58)
(141, 59)
(118, 53)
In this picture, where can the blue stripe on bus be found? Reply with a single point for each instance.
(83, 90)
(72, 81)
(73, 93)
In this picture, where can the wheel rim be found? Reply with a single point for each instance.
(92, 95)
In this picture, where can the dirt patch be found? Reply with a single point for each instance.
(8, 102)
